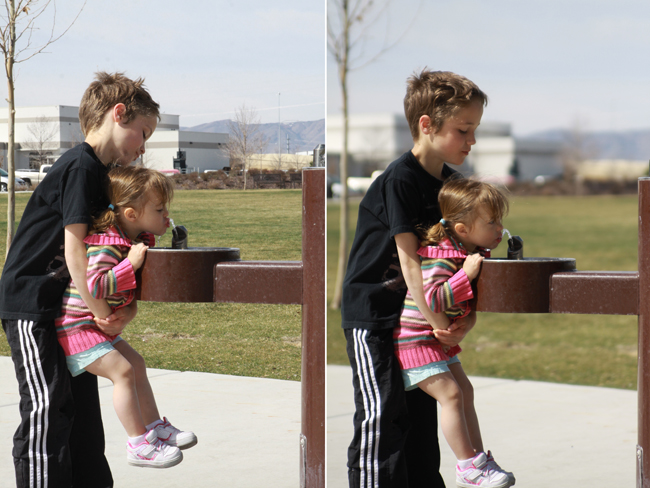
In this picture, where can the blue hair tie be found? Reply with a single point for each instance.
(443, 222)
(110, 205)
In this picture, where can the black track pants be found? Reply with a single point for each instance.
(383, 453)
(45, 455)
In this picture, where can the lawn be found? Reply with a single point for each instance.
(235, 339)
(601, 233)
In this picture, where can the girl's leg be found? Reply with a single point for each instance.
(443, 387)
(116, 368)
(468, 400)
(145, 392)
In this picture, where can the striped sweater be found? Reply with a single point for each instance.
(110, 276)
(446, 289)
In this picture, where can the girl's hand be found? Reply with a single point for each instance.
(136, 255)
(472, 265)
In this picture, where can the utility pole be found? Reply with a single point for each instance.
(279, 145)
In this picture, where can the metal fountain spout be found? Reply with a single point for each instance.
(179, 237)
(515, 248)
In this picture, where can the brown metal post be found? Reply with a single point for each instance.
(312, 437)
(643, 380)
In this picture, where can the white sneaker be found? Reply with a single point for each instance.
(175, 437)
(152, 453)
(479, 474)
(493, 464)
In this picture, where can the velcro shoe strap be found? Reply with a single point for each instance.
(147, 451)
(473, 475)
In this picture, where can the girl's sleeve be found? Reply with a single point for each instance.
(444, 284)
(107, 273)
(148, 238)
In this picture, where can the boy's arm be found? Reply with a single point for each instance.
(407, 247)
(77, 262)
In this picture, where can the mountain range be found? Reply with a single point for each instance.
(305, 136)
(631, 144)
(301, 136)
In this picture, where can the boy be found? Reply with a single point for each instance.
(443, 111)
(117, 115)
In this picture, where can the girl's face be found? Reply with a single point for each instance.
(152, 217)
(485, 232)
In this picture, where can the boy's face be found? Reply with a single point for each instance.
(453, 142)
(129, 138)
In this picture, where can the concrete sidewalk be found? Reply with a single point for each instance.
(248, 430)
(549, 435)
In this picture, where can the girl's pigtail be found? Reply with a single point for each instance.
(105, 220)
(435, 234)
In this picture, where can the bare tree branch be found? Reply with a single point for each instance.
(19, 25)
(246, 138)
(42, 133)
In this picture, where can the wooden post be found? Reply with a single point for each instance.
(643, 379)
(312, 437)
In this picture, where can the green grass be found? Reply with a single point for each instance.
(236, 339)
(601, 234)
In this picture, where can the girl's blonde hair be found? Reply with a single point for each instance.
(132, 186)
(460, 200)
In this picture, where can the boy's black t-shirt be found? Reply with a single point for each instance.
(401, 198)
(35, 274)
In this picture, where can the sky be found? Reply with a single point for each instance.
(571, 64)
(201, 59)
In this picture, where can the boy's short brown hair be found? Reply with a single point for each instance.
(438, 94)
(107, 91)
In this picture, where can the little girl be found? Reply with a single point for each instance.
(451, 254)
(116, 248)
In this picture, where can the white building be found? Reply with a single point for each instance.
(52, 130)
(375, 140)
(621, 170)
(202, 150)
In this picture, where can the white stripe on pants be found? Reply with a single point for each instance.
(38, 420)
(369, 449)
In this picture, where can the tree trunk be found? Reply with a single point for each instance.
(245, 172)
(343, 171)
(11, 112)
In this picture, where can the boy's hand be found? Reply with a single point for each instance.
(457, 331)
(115, 323)
(472, 265)
(136, 255)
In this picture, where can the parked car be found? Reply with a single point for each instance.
(33, 176)
(333, 182)
(4, 182)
